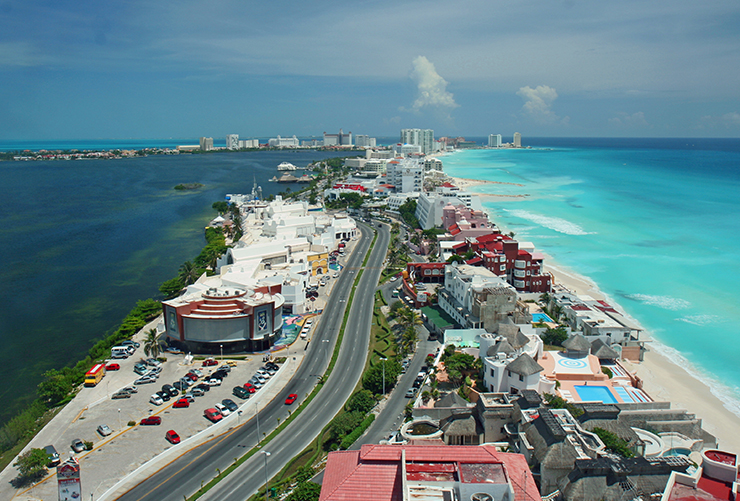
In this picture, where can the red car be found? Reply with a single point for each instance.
(208, 362)
(249, 387)
(291, 398)
(213, 415)
(191, 376)
(183, 402)
(151, 420)
(172, 437)
(112, 367)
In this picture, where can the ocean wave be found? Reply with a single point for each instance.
(554, 223)
(726, 394)
(699, 319)
(665, 302)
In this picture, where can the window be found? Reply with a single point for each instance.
(521, 378)
(493, 372)
(509, 373)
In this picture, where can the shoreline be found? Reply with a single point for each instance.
(665, 379)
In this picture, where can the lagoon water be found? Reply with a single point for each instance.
(654, 222)
(82, 241)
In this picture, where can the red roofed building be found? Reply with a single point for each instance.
(427, 472)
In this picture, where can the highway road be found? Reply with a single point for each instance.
(184, 476)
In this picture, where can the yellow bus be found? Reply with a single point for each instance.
(94, 375)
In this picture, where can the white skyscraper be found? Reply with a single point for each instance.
(517, 140)
(232, 142)
(419, 137)
(206, 143)
(494, 140)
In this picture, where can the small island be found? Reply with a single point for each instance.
(188, 186)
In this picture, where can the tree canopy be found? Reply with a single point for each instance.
(555, 337)
(32, 463)
(408, 213)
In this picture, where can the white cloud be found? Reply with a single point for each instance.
(729, 120)
(625, 120)
(538, 104)
(432, 88)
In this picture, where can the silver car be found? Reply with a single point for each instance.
(104, 430)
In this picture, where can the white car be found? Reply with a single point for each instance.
(335, 274)
(222, 409)
(394, 278)
(214, 382)
(156, 400)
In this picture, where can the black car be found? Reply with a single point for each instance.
(164, 395)
(170, 390)
(219, 374)
(230, 404)
(180, 385)
(203, 386)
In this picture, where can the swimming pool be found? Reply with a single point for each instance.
(540, 317)
(677, 451)
(595, 394)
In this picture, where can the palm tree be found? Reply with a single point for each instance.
(151, 343)
(188, 273)
(212, 256)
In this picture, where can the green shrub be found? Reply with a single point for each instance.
(614, 443)
(350, 439)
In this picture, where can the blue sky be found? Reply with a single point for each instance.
(130, 69)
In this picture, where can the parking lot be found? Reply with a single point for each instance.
(129, 447)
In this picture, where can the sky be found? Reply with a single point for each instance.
(87, 69)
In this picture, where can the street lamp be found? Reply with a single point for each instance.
(267, 487)
(238, 416)
(119, 419)
(383, 360)
(222, 352)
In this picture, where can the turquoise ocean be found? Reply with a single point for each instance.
(653, 222)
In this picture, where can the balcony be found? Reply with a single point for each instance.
(520, 273)
(519, 284)
(520, 264)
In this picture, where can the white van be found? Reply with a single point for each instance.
(119, 352)
(304, 332)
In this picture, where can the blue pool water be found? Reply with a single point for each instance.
(595, 394)
(623, 394)
(678, 451)
(540, 317)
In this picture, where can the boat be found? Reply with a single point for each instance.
(287, 178)
(286, 166)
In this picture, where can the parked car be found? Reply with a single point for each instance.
(222, 409)
(172, 437)
(208, 362)
(394, 278)
(129, 342)
(78, 445)
(156, 399)
(197, 372)
(221, 374)
(213, 415)
(151, 420)
(52, 455)
(197, 392)
(112, 367)
(255, 384)
(191, 376)
(145, 380)
(140, 369)
(170, 389)
(188, 383)
(240, 392)
(181, 403)
(104, 430)
(203, 386)
(189, 397)
(231, 363)
(410, 393)
(165, 396)
(130, 389)
(225, 367)
(230, 404)
(250, 387)
(214, 382)
(120, 394)
(291, 398)
(153, 362)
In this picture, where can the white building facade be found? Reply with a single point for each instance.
(232, 141)
(419, 137)
(494, 141)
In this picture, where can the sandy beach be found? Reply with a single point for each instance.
(665, 379)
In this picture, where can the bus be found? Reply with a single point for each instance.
(94, 375)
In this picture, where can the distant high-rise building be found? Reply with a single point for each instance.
(494, 140)
(249, 143)
(206, 143)
(365, 141)
(517, 140)
(419, 137)
(340, 139)
(232, 142)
